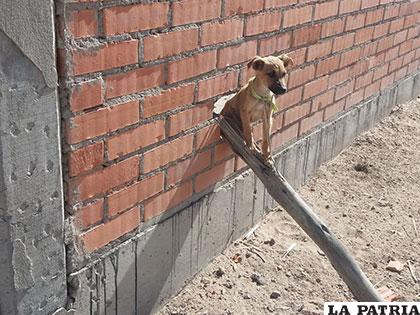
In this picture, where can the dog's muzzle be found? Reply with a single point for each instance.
(278, 89)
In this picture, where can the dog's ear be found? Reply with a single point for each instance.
(257, 63)
(287, 61)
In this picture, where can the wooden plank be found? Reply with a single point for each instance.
(284, 194)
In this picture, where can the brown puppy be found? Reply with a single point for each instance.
(256, 100)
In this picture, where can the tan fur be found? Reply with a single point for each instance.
(245, 109)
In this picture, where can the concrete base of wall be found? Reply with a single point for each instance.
(142, 273)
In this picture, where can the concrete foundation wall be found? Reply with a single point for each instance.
(136, 277)
(32, 258)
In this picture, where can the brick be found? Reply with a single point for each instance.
(396, 25)
(235, 7)
(207, 136)
(398, 75)
(186, 169)
(391, 11)
(369, 3)
(105, 57)
(315, 87)
(333, 27)
(298, 55)
(215, 174)
(391, 54)
(375, 16)
(189, 118)
(100, 122)
(319, 50)
(279, 3)
(132, 195)
(369, 49)
(134, 18)
(221, 32)
(326, 10)
(263, 23)
(343, 42)
(364, 80)
(400, 37)
(355, 21)
(323, 100)
(395, 64)
(277, 121)
(297, 16)
(338, 77)
(89, 215)
(380, 30)
(327, 65)
(350, 57)
(408, 58)
(385, 43)
(300, 76)
(310, 122)
(413, 32)
(233, 55)
(83, 23)
(354, 98)
(344, 90)
(217, 85)
(372, 89)
(274, 44)
(347, 6)
(380, 72)
(191, 66)
(411, 20)
(287, 134)
(361, 66)
(107, 232)
(86, 158)
(169, 44)
(166, 153)
(222, 151)
(133, 81)
(296, 113)
(364, 35)
(167, 200)
(168, 100)
(306, 35)
(289, 99)
(191, 11)
(135, 139)
(99, 182)
(86, 95)
(334, 109)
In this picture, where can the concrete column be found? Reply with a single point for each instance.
(32, 255)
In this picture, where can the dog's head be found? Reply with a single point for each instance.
(272, 71)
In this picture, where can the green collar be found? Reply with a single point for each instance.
(269, 100)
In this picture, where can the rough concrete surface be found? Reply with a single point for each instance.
(32, 263)
(137, 276)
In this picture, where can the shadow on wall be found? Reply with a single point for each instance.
(145, 271)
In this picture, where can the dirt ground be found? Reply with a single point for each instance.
(369, 196)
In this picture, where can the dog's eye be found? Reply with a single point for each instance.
(272, 74)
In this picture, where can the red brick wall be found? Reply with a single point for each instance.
(138, 83)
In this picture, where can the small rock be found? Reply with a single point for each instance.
(228, 285)
(258, 279)
(274, 295)
(270, 242)
(219, 273)
(374, 265)
(344, 214)
(327, 206)
(246, 296)
(395, 266)
(279, 268)
(270, 309)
